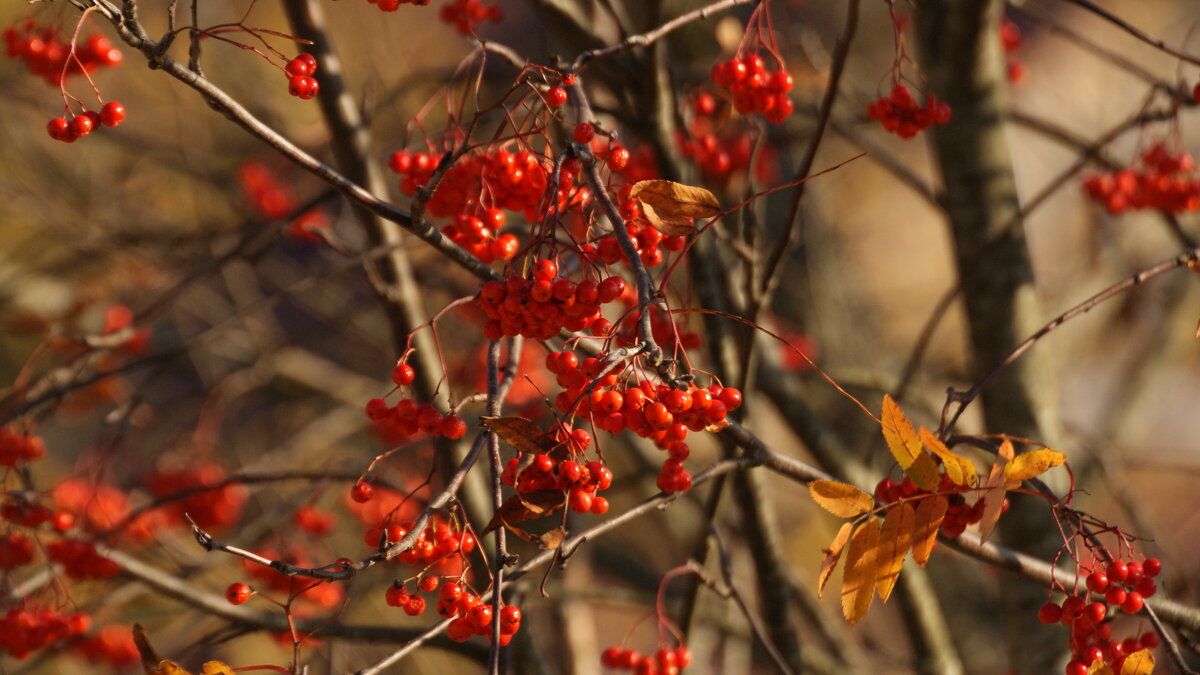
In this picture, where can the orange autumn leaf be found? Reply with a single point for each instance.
(840, 499)
(1140, 662)
(832, 554)
(929, 514)
(895, 539)
(520, 433)
(216, 668)
(1099, 667)
(862, 567)
(960, 469)
(1033, 463)
(996, 486)
(906, 446)
(519, 508)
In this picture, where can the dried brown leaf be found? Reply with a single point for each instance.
(670, 206)
(929, 514)
(519, 508)
(552, 539)
(520, 433)
(832, 554)
(862, 567)
(840, 499)
(993, 498)
(895, 539)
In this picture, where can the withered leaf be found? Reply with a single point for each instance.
(519, 508)
(520, 433)
(840, 499)
(960, 469)
(832, 555)
(552, 539)
(216, 668)
(670, 206)
(895, 539)
(993, 498)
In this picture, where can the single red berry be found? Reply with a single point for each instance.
(1149, 640)
(1115, 595)
(1133, 603)
(59, 129)
(112, 114)
(1117, 571)
(428, 584)
(584, 132)
(510, 618)
(299, 66)
(481, 616)
(238, 594)
(403, 374)
(1097, 582)
(81, 126)
(309, 60)
(451, 591)
(1076, 668)
(556, 96)
(415, 605)
(1151, 567)
(453, 427)
(618, 159)
(362, 492)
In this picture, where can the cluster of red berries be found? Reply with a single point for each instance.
(650, 244)
(959, 514)
(1122, 585)
(25, 513)
(720, 153)
(113, 645)
(49, 57)
(666, 331)
(665, 661)
(466, 15)
(24, 631)
(901, 115)
(17, 447)
(271, 199)
(511, 181)
(214, 507)
(68, 131)
(321, 594)
(407, 417)
(81, 560)
(541, 306)
(559, 471)
(754, 89)
(438, 541)
(393, 5)
(16, 550)
(1164, 181)
(481, 236)
(455, 599)
(299, 71)
(1010, 40)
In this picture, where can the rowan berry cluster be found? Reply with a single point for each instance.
(1010, 40)
(211, 504)
(68, 131)
(721, 152)
(1124, 587)
(466, 15)
(541, 306)
(651, 244)
(1163, 180)
(407, 417)
(901, 115)
(481, 236)
(560, 471)
(49, 57)
(665, 661)
(113, 645)
(16, 550)
(299, 71)
(16, 447)
(24, 630)
(754, 88)
(81, 560)
(270, 199)
(319, 594)
(438, 542)
(959, 514)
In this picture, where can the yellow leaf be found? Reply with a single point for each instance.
(1033, 463)
(216, 668)
(670, 206)
(906, 447)
(895, 539)
(862, 565)
(929, 514)
(832, 555)
(960, 469)
(1099, 668)
(840, 499)
(1140, 662)
(166, 667)
(993, 498)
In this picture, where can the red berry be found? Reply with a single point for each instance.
(238, 594)
(403, 374)
(584, 132)
(618, 159)
(59, 129)
(1133, 603)
(1151, 567)
(112, 114)
(1115, 595)
(1117, 571)
(1050, 613)
(1097, 582)
(362, 492)
(556, 97)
